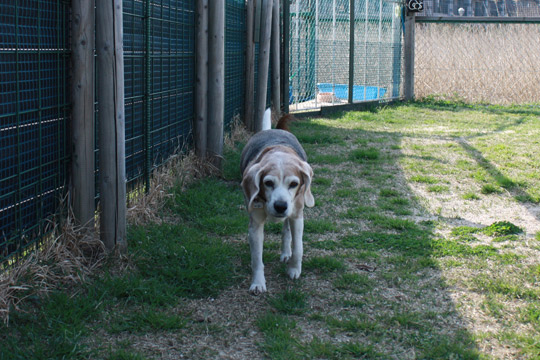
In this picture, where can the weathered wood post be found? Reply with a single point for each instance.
(216, 81)
(201, 88)
(112, 168)
(276, 52)
(82, 91)
(264, 60)
(249, 97)
(408, 61)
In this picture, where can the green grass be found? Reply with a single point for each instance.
(279, 342)
(488, 189)
(146, 321)
(289, 302)
(200, 206)
(185, 263)
(354, 282)
(397, 254)
(362, 155)
(470, 196)
(324, 264)
(425, 179)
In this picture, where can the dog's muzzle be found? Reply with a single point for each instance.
(280, 207)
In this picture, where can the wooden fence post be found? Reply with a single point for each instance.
(408, 61)
(216, 81)
(264, 60)
(249, 96)
(276, 52)
(201, 89)
(112, 167)
(82, 91)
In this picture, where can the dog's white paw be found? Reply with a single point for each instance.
(294, 272)
(257, 288)
(285, 257)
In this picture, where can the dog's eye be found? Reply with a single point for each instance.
(269, 183)
(293, 184)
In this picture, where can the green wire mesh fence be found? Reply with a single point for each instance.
(159, 72)
(34, 110)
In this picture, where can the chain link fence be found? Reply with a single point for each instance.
(494, 8)
(495, 63)
(320, 52)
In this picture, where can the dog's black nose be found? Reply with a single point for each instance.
(280, 206)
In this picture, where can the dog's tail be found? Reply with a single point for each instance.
(284, 121)
(267, 120)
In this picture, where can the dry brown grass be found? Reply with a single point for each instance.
(488, 63)
(180, 170)
(66, 257)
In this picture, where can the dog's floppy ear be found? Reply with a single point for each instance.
(307, 175)
(250, 184)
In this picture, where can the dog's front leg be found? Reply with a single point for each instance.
(256, 237)
(294, 268)
(285, 242)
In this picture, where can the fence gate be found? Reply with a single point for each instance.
(321, 51)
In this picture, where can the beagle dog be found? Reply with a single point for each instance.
(276, 180)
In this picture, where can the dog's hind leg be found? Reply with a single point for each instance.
(294, 268)
(256, 238)
(285, 242)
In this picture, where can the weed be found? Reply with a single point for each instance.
(502, 228)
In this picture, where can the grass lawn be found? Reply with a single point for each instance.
(424, 243)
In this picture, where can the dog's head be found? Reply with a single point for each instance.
(279, 182)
